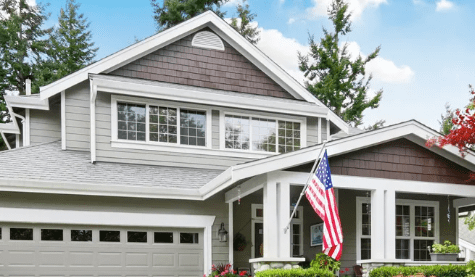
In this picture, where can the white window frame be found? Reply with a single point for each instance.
(222, 129)
(258, 219)
(407, 202)
(156, 145)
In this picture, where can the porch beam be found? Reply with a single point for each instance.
(248, 187)
(463, 202)
(377, 224)
(369, 183)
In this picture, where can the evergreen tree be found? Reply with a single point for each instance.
(242, 23)
(71, 46)
(22, 40)
(336, 80)
(173, 12)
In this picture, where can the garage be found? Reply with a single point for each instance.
(75, 250)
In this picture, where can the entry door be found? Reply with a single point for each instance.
(258, 239)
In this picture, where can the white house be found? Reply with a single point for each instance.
(132, 165)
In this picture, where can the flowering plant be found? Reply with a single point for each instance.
(225, 270)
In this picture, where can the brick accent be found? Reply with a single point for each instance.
(180, 63)
(400, 159)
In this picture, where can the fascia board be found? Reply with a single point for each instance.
(12, 127)
(222, 180)
(127, 55)
(338, 121)
(27, 102)
(157, 90)
(40, 186)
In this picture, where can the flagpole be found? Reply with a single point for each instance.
(305, 187)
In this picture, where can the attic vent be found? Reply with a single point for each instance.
(208, 40)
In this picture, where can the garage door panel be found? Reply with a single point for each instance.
(21, 258)
(137, 259)
(189, 260)
(51, 258)
(81, 258)
(109, 259)
(164, 259)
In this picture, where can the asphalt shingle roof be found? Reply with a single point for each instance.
(48, 162)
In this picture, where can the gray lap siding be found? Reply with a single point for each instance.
(78, 117)
(45, 126)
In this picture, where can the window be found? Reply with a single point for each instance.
(109, 236)
(52, 234)
(261, 134)
(161, 124)
(416, 223)
(0, 233)
(21, 234)
(191, 238)
(296, 233)
(136, 236)
(131, 121)
(81, 235)
(163, 237)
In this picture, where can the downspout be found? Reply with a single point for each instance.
(26, 125)
(93, 120)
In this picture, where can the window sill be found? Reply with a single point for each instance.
(186, 149)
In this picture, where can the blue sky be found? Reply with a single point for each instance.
(426, 58)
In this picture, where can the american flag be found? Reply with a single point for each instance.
(321, 196)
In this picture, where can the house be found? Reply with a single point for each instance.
(136, 164)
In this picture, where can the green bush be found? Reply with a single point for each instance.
(324, 261)
(434, 270)
(295, 272)
(445, 248)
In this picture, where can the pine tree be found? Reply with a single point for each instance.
(22, 40)
(336, 80)
(173, 12)
(71, 46)
(242, 23)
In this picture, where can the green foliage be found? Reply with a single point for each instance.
(445, 121)
(335, 78)
(445, 248)
(173, 12)
(242, 23)
(326, 262)
(377, 125)
(434, 270)
(470, 221)
(71, 47)
(295, 272)
(23, 42)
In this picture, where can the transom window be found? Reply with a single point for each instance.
(416, 223)
(261, 134)
(161, 124)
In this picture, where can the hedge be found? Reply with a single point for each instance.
(434, 270)
(295, 272)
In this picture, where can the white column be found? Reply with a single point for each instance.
(377, 224)
(390, 224)
(284, 215)
(328, 130)
(270, 220)
(231, 234)
(319, 130)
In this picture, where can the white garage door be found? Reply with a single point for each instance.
(74, 251)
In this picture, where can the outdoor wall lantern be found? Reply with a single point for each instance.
(223, 234)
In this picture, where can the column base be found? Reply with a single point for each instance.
(260, 264)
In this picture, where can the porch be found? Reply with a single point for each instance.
(410, 216)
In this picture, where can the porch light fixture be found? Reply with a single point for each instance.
(223, 234)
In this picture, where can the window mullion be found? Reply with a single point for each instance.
(277, 136)
(250, 134)
(147, 123)
(178, 124)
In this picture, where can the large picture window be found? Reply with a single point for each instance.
(161, 124)
(416, 223)
(261, 134)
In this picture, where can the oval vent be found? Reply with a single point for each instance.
(208, 40)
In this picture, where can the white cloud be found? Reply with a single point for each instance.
(444, 5)
(357, 7)
(382, 69)
(29, 2)
(232, 3)
(291, 20)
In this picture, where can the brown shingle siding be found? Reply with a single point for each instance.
(181, 63)
(400, 159)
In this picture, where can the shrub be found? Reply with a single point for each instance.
(295, 272)
(325, 262)
(224, 270)
(445, 248)
(434, 270)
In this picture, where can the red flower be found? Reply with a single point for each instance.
(347, 269)
(242, 273)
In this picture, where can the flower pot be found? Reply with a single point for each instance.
(439, 257)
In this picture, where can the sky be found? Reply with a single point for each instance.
(427, 46)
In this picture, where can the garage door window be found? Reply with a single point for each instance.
(136, 236)
(109, 236)
(52, 234)
(81, 235)
(21, 234)
(191, 238)
(163, 237)
(0, 233)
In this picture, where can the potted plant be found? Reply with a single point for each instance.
(444, 252)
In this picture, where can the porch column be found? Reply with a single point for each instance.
(390, 224)
(284, 215)
(377, 224)
(271, 241)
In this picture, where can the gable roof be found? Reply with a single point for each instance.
(411, 130)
